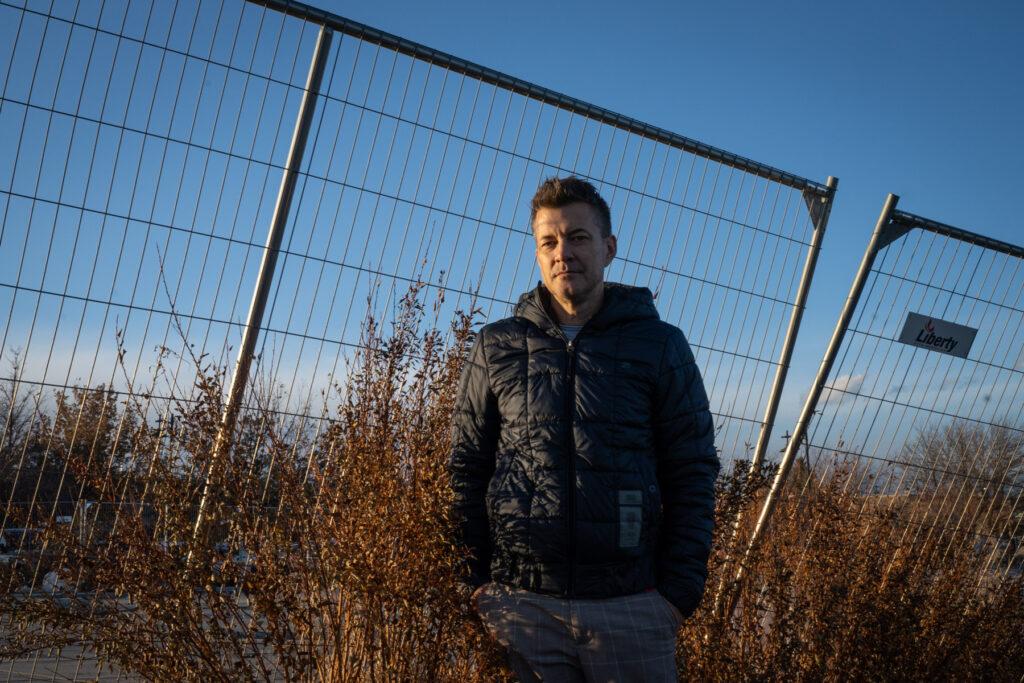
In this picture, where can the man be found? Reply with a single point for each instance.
(583, 463)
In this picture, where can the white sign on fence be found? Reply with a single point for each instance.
(937, 335)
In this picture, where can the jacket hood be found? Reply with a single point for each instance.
(621, 304)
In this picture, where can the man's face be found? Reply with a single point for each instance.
(571, 253)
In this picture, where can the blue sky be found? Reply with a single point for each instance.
(920, 100)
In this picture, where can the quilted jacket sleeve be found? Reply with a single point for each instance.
(475, 422)
(687, 468)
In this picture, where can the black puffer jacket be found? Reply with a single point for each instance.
(586, 468)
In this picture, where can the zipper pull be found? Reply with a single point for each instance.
(570, 346)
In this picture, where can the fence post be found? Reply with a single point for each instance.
(265, 278)
(820, 206)
(878, 240)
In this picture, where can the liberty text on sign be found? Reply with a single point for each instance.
(938, 335)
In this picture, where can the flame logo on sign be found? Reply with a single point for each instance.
(928, 326)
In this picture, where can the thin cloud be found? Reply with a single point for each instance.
(843, 387)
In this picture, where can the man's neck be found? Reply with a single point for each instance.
(577, 313)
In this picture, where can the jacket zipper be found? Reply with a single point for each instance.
(570, 409)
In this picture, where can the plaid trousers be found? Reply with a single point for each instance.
(550, 639)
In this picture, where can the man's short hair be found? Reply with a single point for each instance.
(554, 193)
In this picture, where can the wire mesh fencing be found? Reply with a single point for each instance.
(915, 416)
(147, 142)
(141, 165)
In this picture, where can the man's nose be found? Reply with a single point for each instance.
(563, 252)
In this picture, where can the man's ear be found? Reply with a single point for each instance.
(611, 245)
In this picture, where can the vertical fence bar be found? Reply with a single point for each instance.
(820, 207)
(878, 238)
(266, 275)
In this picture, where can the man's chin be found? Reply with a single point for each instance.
(563, 289)
(567, 291)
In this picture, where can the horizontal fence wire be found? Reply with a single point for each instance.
(927, 440)
(143, 146)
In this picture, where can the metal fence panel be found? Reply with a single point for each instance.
(918, 402)
(144, 145)
(147, 142)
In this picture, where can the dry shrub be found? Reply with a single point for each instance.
(325, 548)
(325, 552)
(840, 590)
